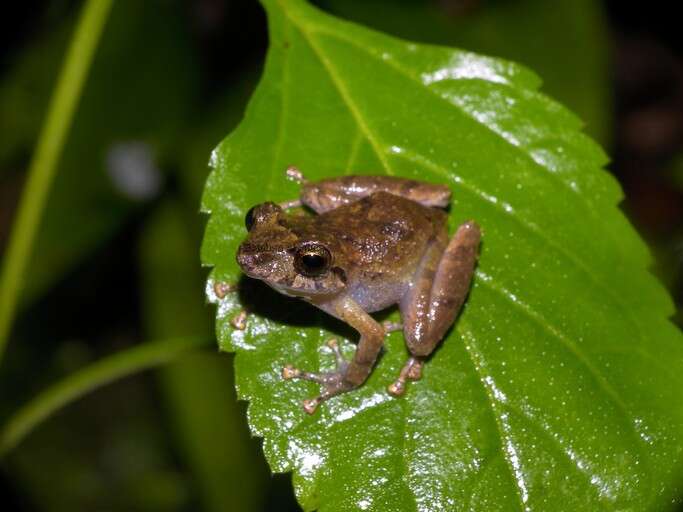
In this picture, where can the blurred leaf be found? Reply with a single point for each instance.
(207, 129)
(140, 91)
(49, 148)
(198, 390)
(566, 44)
(87, 380)
(25, 91)
(106, 452)
(558, 389)
(676, 171)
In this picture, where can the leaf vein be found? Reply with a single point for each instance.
(514, 468)
(355, 145)
(541, 321)
(281, 121)
(594, 483)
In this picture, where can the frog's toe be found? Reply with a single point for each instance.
(311, 404)
(412, 370)
(223, 288)
(328, 379)
(289, 372)
(339, 358)
(239, 321)
(397, 388)
(293, 173)
(333, 383)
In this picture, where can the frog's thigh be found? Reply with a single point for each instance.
(414, 305)
(325, 195)
(441, 288)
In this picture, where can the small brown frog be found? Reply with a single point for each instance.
(376, 241)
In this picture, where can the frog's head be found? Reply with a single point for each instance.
(284, 253)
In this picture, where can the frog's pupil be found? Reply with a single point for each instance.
(249, 219)
(313, 261)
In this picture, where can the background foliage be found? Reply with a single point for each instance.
(104, 275)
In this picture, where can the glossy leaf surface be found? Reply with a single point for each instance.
(525, 31)
(558, 388)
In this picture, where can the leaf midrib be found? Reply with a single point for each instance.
(341, 88)
(282, 118)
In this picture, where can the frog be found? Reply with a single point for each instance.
(371, 242)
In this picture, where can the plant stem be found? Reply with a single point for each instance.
(44, 162)
(104, 371)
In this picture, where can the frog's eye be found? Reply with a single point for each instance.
(312, 259)
(266, 212)
(249, 218)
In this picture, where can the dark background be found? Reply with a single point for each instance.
(117, 254)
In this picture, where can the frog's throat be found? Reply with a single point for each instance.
(302, 292)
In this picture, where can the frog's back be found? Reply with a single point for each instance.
(383, 238)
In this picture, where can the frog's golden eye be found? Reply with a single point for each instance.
(312, 259)
(249, 218)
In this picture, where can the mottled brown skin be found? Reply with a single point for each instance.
(383, 241)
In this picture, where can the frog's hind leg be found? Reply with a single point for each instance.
(325, 195)
(330, 381)
(443, 282)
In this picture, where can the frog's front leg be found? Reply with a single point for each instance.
(221, 289)
(442, 284)
(348, 374)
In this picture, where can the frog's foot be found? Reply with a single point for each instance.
(412, 370)
(293, 173)
(333, 383)
(222, 288)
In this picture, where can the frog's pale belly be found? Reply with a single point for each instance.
(375, 296)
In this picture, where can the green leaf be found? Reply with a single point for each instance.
(557, 389)
(88, 379)
(576, 73)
